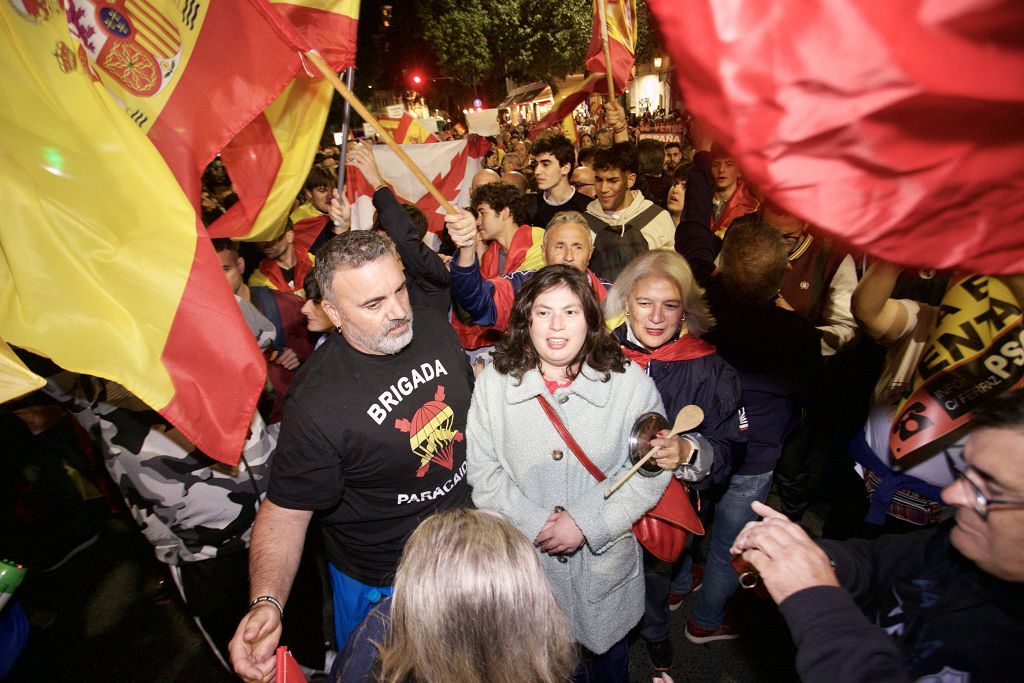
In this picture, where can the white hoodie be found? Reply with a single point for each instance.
(660, 233)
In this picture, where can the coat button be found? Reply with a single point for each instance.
(563, 399)
(563, 559)
(557, 455)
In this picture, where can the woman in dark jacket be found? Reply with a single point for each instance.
(658, 314)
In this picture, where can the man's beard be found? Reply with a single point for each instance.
(382, 342)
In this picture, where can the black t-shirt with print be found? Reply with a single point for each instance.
(375, 444)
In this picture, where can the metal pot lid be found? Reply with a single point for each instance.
(644, 429)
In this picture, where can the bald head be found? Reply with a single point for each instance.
(516, 180)
(583, 180)
(484, 176)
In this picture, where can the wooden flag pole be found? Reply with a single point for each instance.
(350, 97)
(607, 50)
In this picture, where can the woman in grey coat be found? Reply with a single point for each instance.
(557, 347)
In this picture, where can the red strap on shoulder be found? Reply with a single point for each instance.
(569, 441)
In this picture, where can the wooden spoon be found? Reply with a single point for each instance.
(689, 417)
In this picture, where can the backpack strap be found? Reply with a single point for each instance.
(641, 220)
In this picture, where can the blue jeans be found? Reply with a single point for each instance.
(353, 600)
(657, 575)
(610, 667)
(732, 512)
(682, 577)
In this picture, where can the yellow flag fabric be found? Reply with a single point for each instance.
(294, 120)
(269, 160)
(104, 269)
(15, 379)
(79, 238)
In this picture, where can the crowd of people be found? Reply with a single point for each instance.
(433, 452)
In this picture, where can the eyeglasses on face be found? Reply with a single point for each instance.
(982, 503)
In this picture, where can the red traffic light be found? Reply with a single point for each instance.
(417, 79)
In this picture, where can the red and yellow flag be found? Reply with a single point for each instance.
(110, 112)
(407, 130)
(620, 19)
(268, 161)
(621, 32)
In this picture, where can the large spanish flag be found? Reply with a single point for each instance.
(617, 19)
(109, 114)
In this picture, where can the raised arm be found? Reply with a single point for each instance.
(839, 328)
(881, 316)
(419, 259)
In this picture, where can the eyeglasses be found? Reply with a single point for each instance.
(982, 503)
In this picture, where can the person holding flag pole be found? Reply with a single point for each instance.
(414, 441)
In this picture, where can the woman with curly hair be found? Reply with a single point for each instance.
(556, 350)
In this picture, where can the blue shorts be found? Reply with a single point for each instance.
(353, 600)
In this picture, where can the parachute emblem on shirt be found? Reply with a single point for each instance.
(432, 433)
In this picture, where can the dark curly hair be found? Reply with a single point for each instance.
(501, 196)
(515, 354)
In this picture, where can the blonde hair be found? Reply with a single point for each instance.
(471, 603)
(667, 264)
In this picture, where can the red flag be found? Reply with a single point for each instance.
(895, 126)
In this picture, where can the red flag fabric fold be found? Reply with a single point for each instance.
(894, 126)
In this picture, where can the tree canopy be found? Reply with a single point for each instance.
(483, 41)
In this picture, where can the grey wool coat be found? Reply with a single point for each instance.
(518, 465)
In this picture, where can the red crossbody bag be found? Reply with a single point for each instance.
(662, 530)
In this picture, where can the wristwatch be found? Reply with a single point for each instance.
(694, 449)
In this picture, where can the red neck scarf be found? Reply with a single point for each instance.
(303, 265)
(686, 347)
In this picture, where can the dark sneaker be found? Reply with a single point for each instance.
(661, 654)
(699, 635)
(675, 600)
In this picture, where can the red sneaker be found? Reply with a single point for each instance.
(699, 635)
(675, 600)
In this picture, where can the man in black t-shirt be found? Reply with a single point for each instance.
(372, 439)
(556, 158)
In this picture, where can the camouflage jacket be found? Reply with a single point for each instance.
(189, 506)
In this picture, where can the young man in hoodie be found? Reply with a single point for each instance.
(624, 222)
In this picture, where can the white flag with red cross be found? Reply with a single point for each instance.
(450, 165)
